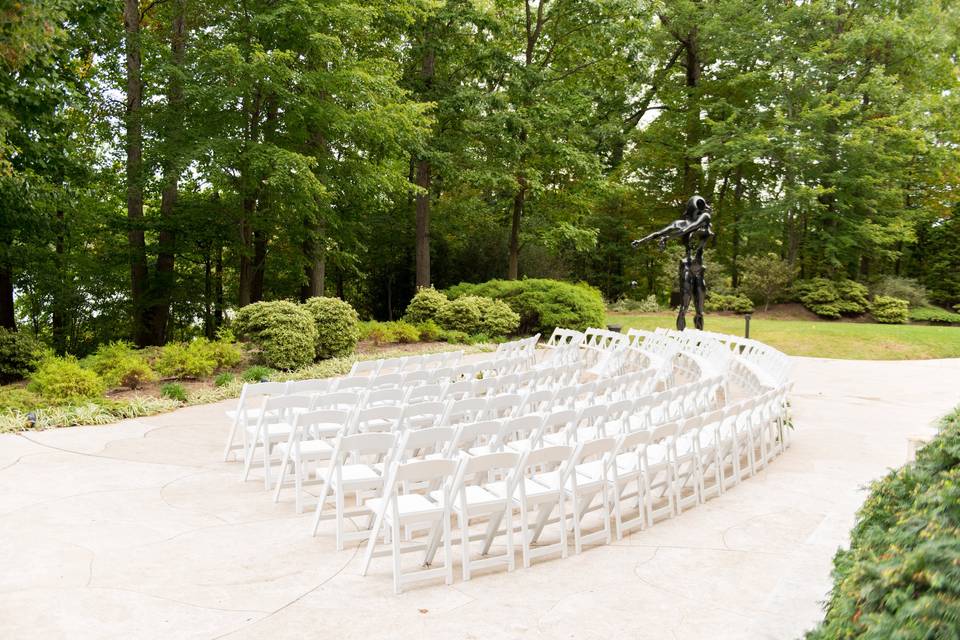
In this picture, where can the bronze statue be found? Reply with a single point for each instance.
(695, 227)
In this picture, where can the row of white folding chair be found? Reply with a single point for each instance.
(491, 487)
(522, 347)
(406, 363)
(564, 338)
(275, 418)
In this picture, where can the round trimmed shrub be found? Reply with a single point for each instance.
(890, 310)
(19, 354)
(337, 326)
(426, 306)
(734, 302)
(284, 332)
(463, 314)
(542, 304)
(119, 364)
(497, 318)
(63, 379)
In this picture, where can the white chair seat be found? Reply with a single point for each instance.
(532, 488)
(356, 473)
(628, 462)
(274, 429)
(311, 448)
(410, 506)
(656, 454)
(478, 499)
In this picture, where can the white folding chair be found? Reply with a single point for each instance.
(386, 381)
(465, 410)
(658, 473)
(395, 510)
(356, 466)
(385, 397)
(519, 434)
(308, 387)
(377, 418)
(628, 487)
(365, 368)
(473, 501)
(558, 428)
(310, 442)
(422, 415)
(502, 406)
(685, 464)
(425, 393)
(340, 400)
(246, 414)
(274, 425)
(539, 487)
(590, 474)
(475, 437)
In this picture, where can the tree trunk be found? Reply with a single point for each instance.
(7, 318)
(735, 230)
(244, 296)
(218, 302)
(692, 163)
(513, 265)
(315, 263)
(134, 171)
(423, 180)
(423, 224)
(208, 329)
(259, 265)
(57, 323)
(162, 286)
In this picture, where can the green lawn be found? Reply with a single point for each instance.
(823, 339)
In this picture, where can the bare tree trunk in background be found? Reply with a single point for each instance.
(158, 313)
(7, 319)
(57, 323)
(513, 264)
(691, 164)
(246, 246)
(315, 266)
(134, 170)
(259, 265)
(423, 180)
(218, 301)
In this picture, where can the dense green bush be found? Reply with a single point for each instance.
(728, 302)
(430, 331)
(337, 326)
(391, 332)
(497, 319)
(542, 304)
(119, 364)
(19, 355)
(900, 578)
(456, 337)
(426, 306)
(831, 298)
(63, 379)
(184, 360)
(174, 391)
(284, 332)
(853, 297)
(257, 373)
(889, 310)
(904, 288)
(934, 315)
(223, 352)
(463, 314)
(223, 379)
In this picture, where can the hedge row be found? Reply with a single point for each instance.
(900, 578)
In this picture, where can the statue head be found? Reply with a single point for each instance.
(695, 206)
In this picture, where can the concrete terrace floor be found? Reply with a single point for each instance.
(137, 530)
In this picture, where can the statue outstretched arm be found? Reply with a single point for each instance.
(675, 229)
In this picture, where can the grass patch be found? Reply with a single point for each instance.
(845, 340)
